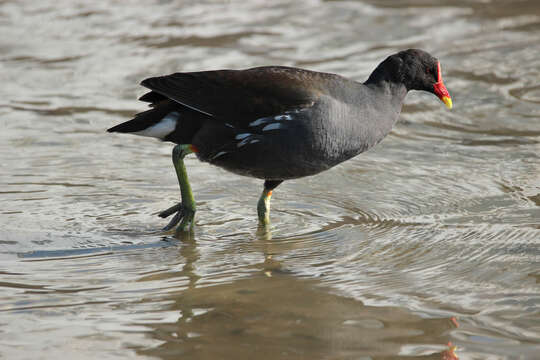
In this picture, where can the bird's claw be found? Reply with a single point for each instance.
(173, 209)
(180, 214)
(174, 221)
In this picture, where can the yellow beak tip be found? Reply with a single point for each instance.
(447, 101)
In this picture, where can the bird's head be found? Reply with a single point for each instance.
(416, 70)
(421, 71)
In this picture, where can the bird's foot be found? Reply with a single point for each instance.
(182, 215)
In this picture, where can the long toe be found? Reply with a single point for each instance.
(188, 219)
(173, 209)
(174, 221)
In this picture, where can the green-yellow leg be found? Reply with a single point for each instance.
(185, 210)
(263, 206)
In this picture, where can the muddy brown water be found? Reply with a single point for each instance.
(432, 237)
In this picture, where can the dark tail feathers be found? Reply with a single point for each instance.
(145, 119)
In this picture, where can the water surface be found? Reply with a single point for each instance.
(431, 238)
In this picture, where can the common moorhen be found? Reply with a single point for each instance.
(275, 122)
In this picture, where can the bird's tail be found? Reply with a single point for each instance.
(159, 122)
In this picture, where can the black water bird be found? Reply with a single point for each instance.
(274, 122)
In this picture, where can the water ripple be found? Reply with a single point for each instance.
(431, 237)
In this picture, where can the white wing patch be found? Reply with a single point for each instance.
(241, 136)
(267, 123)
(162, 128)
(273, 126)
(283, 117)
(260, 121)
(243, 142)
(218, 155)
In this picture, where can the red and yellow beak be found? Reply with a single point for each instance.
(440, 89)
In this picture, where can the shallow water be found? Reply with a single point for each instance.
(432, 237)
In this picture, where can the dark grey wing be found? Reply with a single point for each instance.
(238, 96)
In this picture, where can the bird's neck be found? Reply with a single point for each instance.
(366, 123)
(388, 79)
(395, 92)
(383, 100)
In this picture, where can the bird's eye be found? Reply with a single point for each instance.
(432, 72)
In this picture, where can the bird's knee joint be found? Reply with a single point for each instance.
(180, 151)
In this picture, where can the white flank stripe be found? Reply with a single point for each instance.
(218, 155)
(265, 120)
(260, 121)
(273, 126)
(162, 128)
(242, 143)
(241, 136)
(283, 117)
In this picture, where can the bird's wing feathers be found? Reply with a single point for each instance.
(239, 96)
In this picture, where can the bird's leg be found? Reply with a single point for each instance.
(185, 210)
(263, 206)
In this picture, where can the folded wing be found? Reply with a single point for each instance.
(238, 96)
